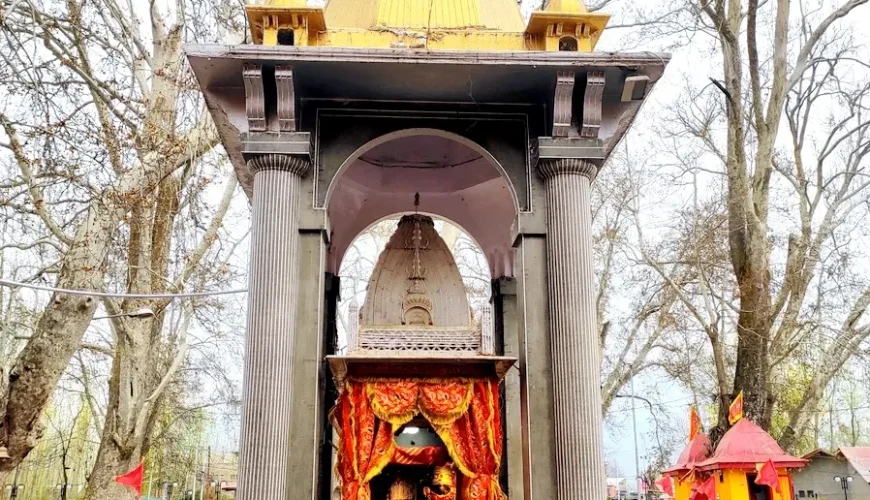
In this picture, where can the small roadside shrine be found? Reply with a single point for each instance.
(748, 464)
(741, 461)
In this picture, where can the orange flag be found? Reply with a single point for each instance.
(133, 479)
(666, 485)
(735, 411)
(695, 425)
(767, 476)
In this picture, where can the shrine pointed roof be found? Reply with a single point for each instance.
(744, 446)
(499, 15)
(695, 452)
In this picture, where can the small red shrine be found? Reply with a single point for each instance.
(731, 472)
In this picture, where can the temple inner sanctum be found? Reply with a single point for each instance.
(418, 436)
(337, 117)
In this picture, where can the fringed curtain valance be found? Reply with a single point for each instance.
(464, 413)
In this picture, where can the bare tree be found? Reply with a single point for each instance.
(760, 260)
(106, 143)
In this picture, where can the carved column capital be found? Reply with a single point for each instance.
(296, 164)
(552, 167)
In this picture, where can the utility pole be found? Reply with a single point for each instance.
(637, 479)
(207, 477)
(195, 471)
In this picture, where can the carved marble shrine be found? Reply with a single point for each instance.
(337, 117)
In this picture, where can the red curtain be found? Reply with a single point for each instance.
(474, 441)
(464, 413)
(366, 443)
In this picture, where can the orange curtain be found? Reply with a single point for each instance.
(464, 413)
(366, 443)
(474, 441)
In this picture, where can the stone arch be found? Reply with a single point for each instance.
(399, 215)
(470, 188)
(410, 132)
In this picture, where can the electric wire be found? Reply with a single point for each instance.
(90, 293)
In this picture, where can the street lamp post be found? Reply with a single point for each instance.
(15, 486)
(14, 489)
(844, 483)
(218, 488)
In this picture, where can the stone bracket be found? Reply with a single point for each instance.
(286, 99)
(255, 97)
(562, 103)
(592, 104)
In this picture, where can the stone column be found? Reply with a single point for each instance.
(573, 330)
(266, 398)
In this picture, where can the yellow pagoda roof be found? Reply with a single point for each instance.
(501, 15)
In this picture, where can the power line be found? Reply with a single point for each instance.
(90, 293)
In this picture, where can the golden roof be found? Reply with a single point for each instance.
(500, 15)
(572, 6)
(426, 24)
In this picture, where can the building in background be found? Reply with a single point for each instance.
(817, 479)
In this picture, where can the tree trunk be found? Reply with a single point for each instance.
(58, 334)
(110, 459)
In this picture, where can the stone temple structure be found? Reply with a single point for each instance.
(336, 117)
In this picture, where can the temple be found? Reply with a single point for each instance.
(338, 117)
(747, 464)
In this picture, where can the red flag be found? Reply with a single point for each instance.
(695, 425)
(666, 485)
(767, 476)
(696, 493)
(133, 479)
(735, 411)
(708, 488)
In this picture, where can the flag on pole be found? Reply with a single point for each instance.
(767, 476)
(666, 485)
(708, 488)
(735, 411)
(133, 479)
(695, 424)
(689, 477)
